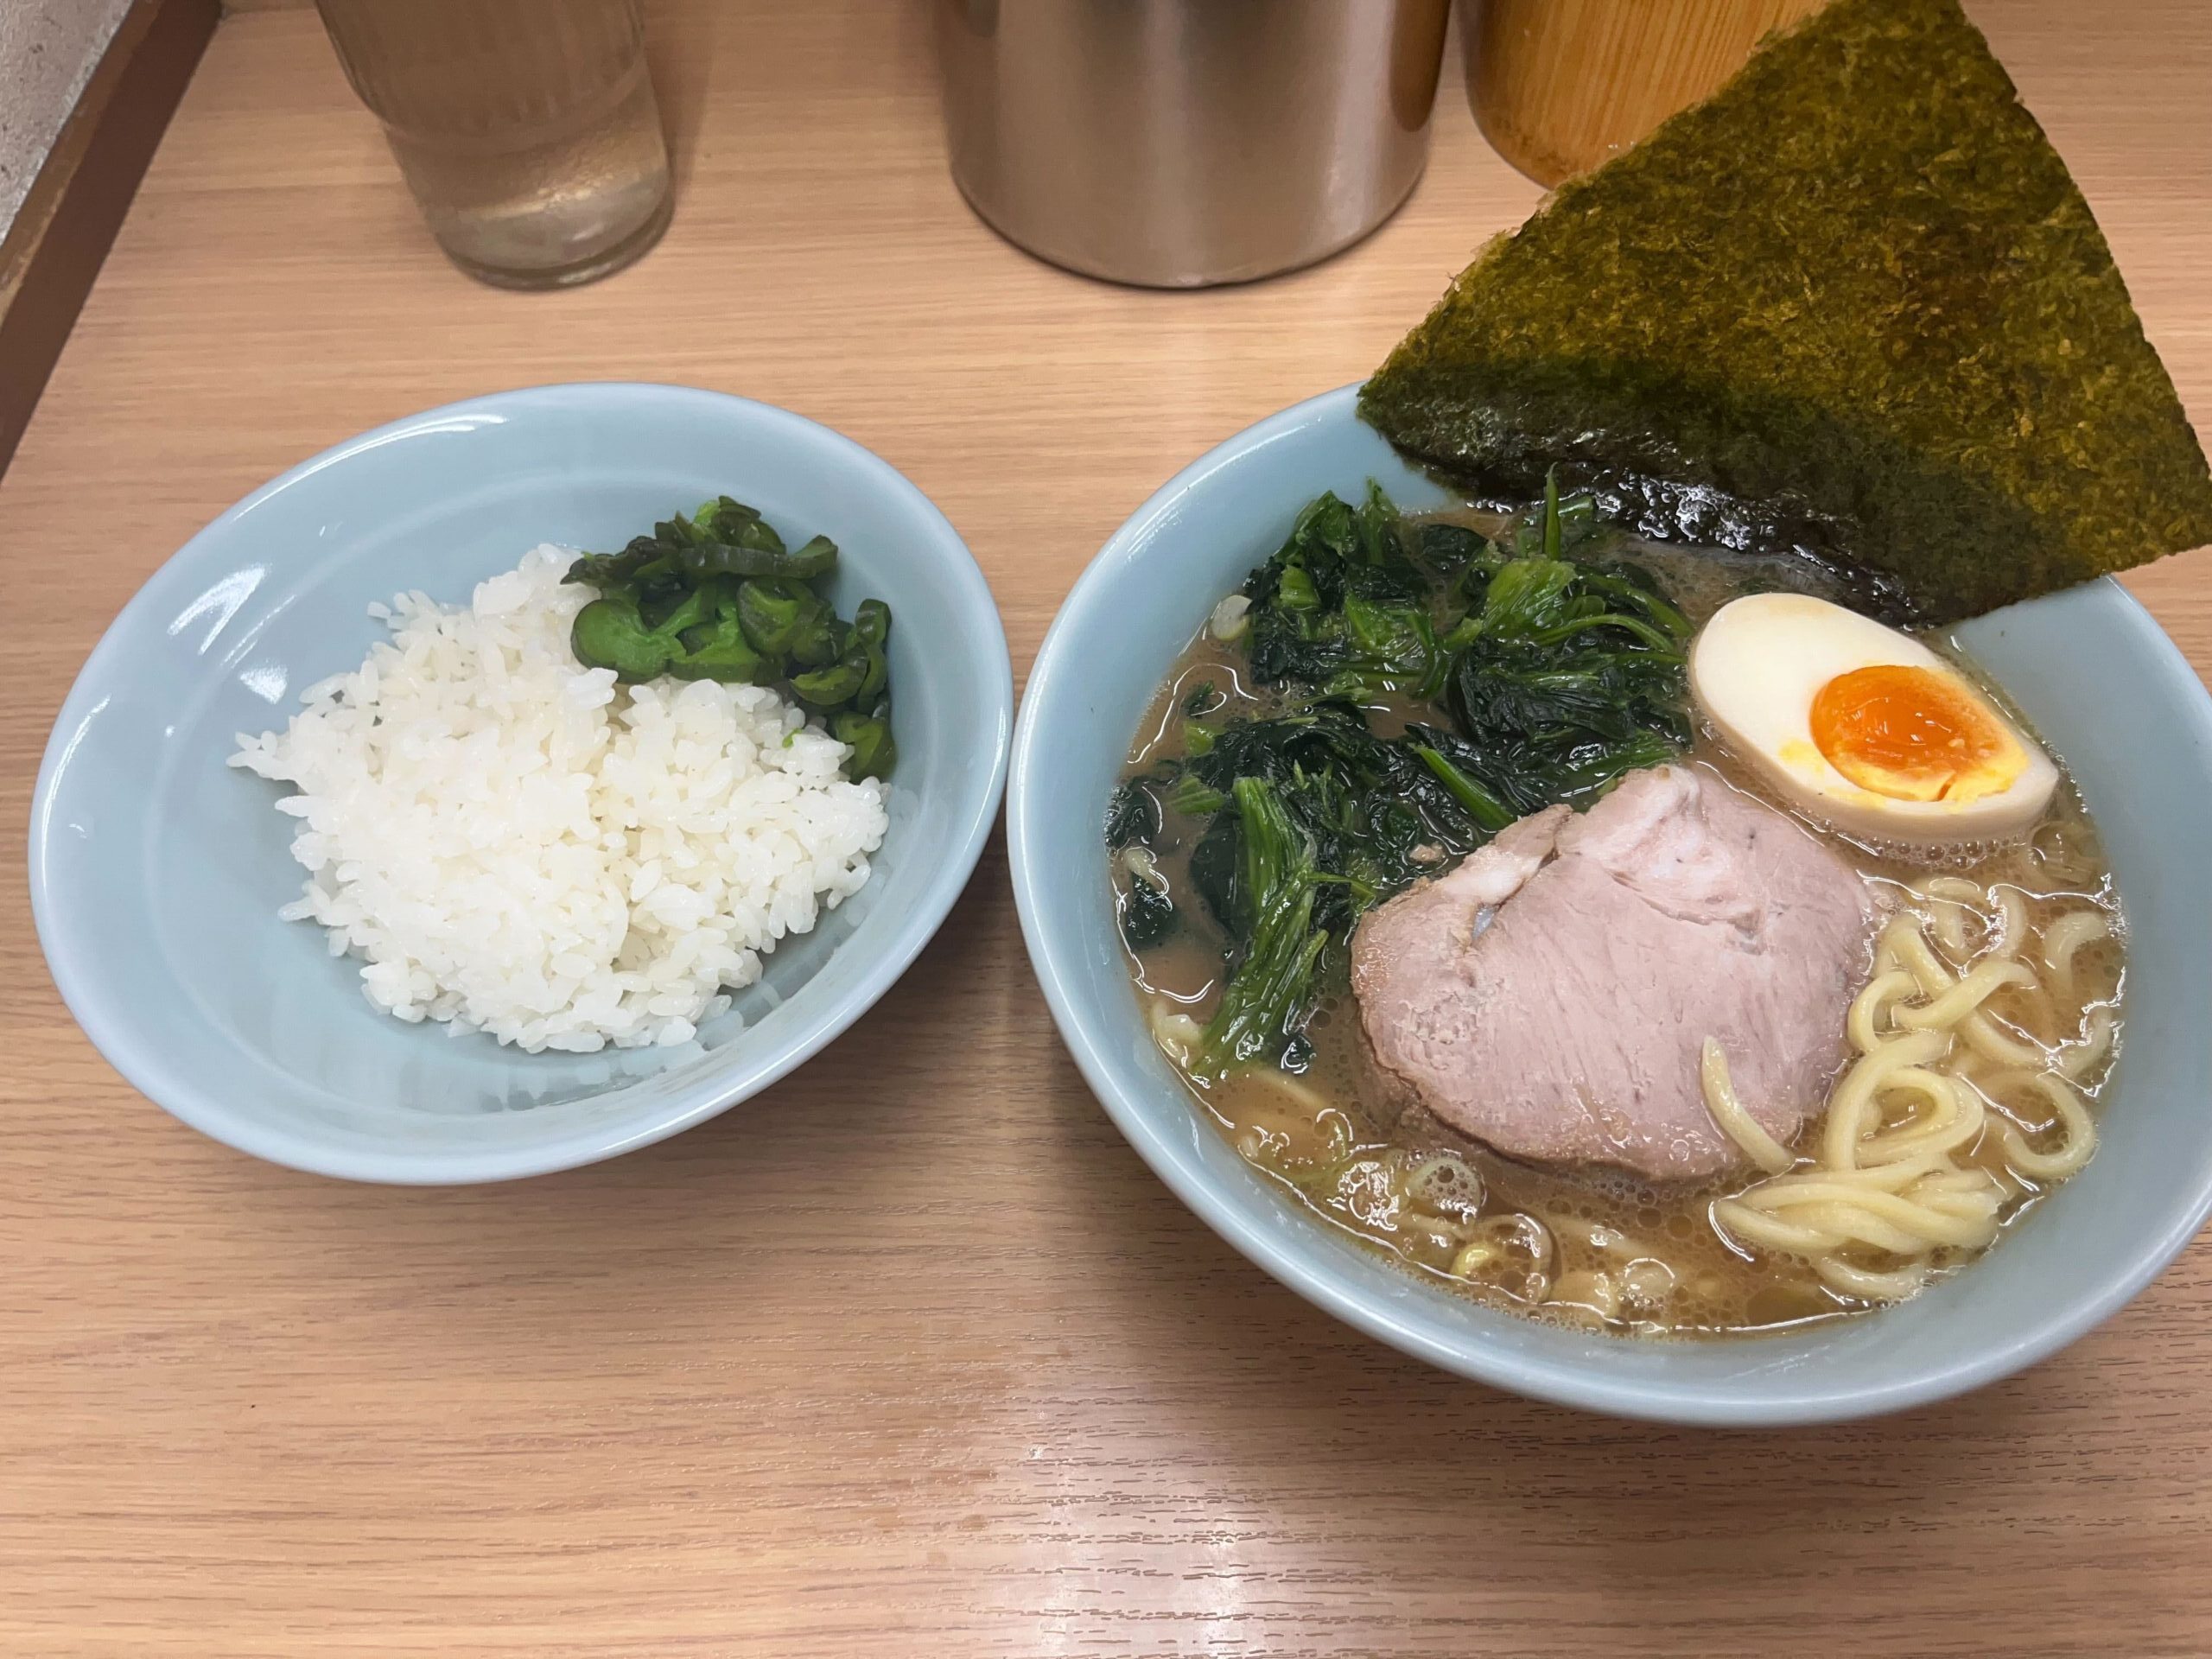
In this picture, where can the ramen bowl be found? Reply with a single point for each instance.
(2091, 671)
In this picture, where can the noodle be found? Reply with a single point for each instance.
(2072, 1117)
(1871, 1008)
(1769, 1153)
(2051, 845)
(1442, 1184)
(1870, 1285)
(1952, 1008)
(2075, 1059)
(1981, 1035)
(1178, 1034)
(1948, 896)
(1888, 1182)
(2062, 941)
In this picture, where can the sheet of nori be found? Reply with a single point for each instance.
(1852, 304)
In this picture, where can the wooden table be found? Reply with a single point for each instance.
(911, 1355)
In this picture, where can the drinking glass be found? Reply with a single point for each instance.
(526, 129)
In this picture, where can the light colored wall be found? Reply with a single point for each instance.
(48, 50)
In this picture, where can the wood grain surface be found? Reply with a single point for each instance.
(910, 1355)
(51, 249)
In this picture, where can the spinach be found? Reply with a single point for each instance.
(1132, 815)
(1564, 675)
(1313, 819)
(1557, 669)
(1270, 994)
(1341, 607)
(1375, 814)
(1148, 915)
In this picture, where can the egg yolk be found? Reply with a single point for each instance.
(1913, 735)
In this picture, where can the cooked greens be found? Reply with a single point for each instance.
(1270, 994)
(1522, 672)
(718, 596)
(1341, 606)
(1852, 305)
(1148, 914)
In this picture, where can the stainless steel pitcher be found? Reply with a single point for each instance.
(1180, 142)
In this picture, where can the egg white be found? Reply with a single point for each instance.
(1754, 670)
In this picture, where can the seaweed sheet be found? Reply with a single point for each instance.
(1852, 304)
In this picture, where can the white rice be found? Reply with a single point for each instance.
(517, 845)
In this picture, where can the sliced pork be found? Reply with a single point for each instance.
(1550, 996)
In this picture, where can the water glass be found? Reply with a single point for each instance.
(526, 129)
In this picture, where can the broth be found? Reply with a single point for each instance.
(1581, 1244)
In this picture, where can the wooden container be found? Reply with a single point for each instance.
(1558, 85)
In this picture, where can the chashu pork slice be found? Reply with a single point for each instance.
(1550, 997)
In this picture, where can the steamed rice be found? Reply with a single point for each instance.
(517, 845)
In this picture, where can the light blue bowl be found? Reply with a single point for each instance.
(156, 871)
(2076, 661)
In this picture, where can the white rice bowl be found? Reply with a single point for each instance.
(515, 844)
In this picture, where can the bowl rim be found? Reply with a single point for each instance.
(109, 1027)
(1051, 951)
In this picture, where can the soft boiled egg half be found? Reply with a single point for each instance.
(1863, 728)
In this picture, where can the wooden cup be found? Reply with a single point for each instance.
(1558, 85)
